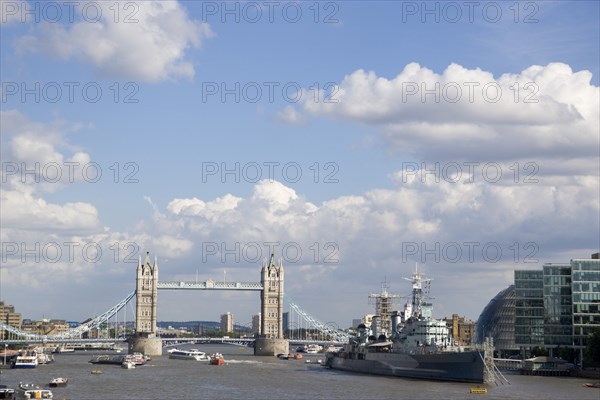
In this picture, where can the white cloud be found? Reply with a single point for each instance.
(544, 111)
(150, 48)
(33, 153)
(290, 115)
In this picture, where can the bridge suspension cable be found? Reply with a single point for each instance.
(335, 334)
(74, 332)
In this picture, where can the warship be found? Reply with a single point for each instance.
(419, 346)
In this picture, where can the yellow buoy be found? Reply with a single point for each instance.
(478, 390)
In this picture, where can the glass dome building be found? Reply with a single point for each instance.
(497, 320)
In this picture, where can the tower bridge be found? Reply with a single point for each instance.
(271, 342)
(146, 340)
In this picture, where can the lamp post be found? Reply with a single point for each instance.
(5, 347)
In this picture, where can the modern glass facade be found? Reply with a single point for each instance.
(558, 308)
(497, 320)
(529, 308)
(585, 277)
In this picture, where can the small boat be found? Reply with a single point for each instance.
(138, 358)
(313, 349)
(96, 372)
(592, 385)
(217, 359)
(192, 354)
(6, 393)
(128, 364)
(297, 356)
(58, 382)
(31, 391)
(320, 362)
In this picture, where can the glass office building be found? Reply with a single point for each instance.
(585, 281)
(558, 306)
(529, 308)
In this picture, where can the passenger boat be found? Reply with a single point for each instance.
(419, 347)
(26, 359)
(58, 382)
(128, 364)
(192, 354)
(31, 391)
(217, 359)
(6, 393)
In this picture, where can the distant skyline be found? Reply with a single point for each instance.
(352, 138)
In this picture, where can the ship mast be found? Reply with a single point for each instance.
(417, 292)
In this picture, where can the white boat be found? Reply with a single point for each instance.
(58, 382)
(27, 359)
(44, 358)
(138, 358)
(128, 364)
(192, 354)
(313, 349)
(31, 391)
(64, 349)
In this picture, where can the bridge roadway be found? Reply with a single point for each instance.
(165, 340)
(210, 285)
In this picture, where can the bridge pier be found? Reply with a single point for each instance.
(150, 346)
(271, 347)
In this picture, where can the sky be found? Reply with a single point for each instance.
(354, 139)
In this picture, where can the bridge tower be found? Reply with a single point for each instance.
(146, 298)
(271, 341)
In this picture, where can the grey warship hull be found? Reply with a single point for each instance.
(465, 366)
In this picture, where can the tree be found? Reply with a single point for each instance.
(539, 351)
(592, 350)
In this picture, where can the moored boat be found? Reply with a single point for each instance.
(64, 349)
(128, 364)
(418, 347)
(192, 354)
(44, 358)
(26, 359)
(107, 359)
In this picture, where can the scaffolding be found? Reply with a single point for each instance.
(383, 307)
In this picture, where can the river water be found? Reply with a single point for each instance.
(247, 377)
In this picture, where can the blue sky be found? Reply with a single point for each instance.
(371, 206)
